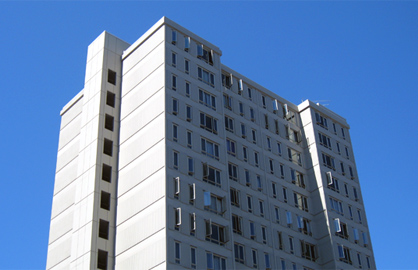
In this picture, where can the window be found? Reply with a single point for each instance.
(229, 124)
(206, 76)
(101, 259)
(239, 253)
(351, 172)
(277, 214)
(109, 122)
(110, 99)
(343, 133)
(173, 37)
(336, 205)
(249, 94)
(189, 139)
(266, 121)
(233, 171)
(305, 226)
(276, 126)
(209, 123)
(192, 223)
(249, 204)
(263, 101)
(175, 160)
(344, 254)
(175, 106)
(325, 141)
(236, 224)
(107, 147)
(215, 233)
(107, 173)
(103, 229)
(241, 109)
(186, 43)
(245, 153)
(355, 194)
(256, 159)
(211, 175)
(347, 155)
(342, 168)
(252, 116)
(289, 220)
(359, 215)
(252, 230)
(268, 144)
(111, 77)
(346, 189)
(341, 229)
(177, 218)
(240, 87)
(284, 194)
(105, 200)
(254, 256)
(294, 156)
(332, 182)
(320, 120)
(186, 66)
(292, 135)
(280, 238)
(281, 170)
(213, 203)
(227, 80)
(368, 262)
(192, 193)
(173, 59)
(334, 128)
(259, 183)
(301, 201)
(356, 235)
(207, 99)
(308, 251)
(215, 262)
(350, 212)
(359, 259)
(234, 197)
(190, 165)
(187, 89)
(297, 178)
(243, 133)
(338, 148)
(365, 238)
(291, 247)
(283, 263)
(274, 189)
(177, 252)
(193, 257)
(204, 54)
(328, 161)
(188, 113)
(209, 148)
(230, 147)
(261, 206)
(175, 132)
(227, 102)
(264, 234)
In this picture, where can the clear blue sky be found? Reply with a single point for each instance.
(360, 58)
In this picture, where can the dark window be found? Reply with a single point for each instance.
(110, 99)
(102, 259)
(105, 200)
(111, 76)
(107, 173)
(107, 147)
(109, 122)
(103, 229)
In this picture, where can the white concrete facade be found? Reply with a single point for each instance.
(168, 159)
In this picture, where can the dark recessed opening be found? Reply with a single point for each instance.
(103, 229)
(102, 259)
(110, 99)
(105, 200)
(107, 173)
(107, 147)
(111, 76)
(109, 122)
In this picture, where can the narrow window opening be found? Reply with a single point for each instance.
(107, 147)
(107, 173)
(101, 259)
(103, 229)
(105, 200)
(109, 122)
(110, 99)
(111, 76)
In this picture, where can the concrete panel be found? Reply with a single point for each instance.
(141, 196)
(142, 141)
(143, 69)
(58, 252)
(71, 113)
(65, 176)
(142, 116)
(141, 168)
(63, 200)
(61, 225)
(67, 153)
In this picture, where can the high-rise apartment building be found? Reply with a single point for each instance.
(168, 159)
